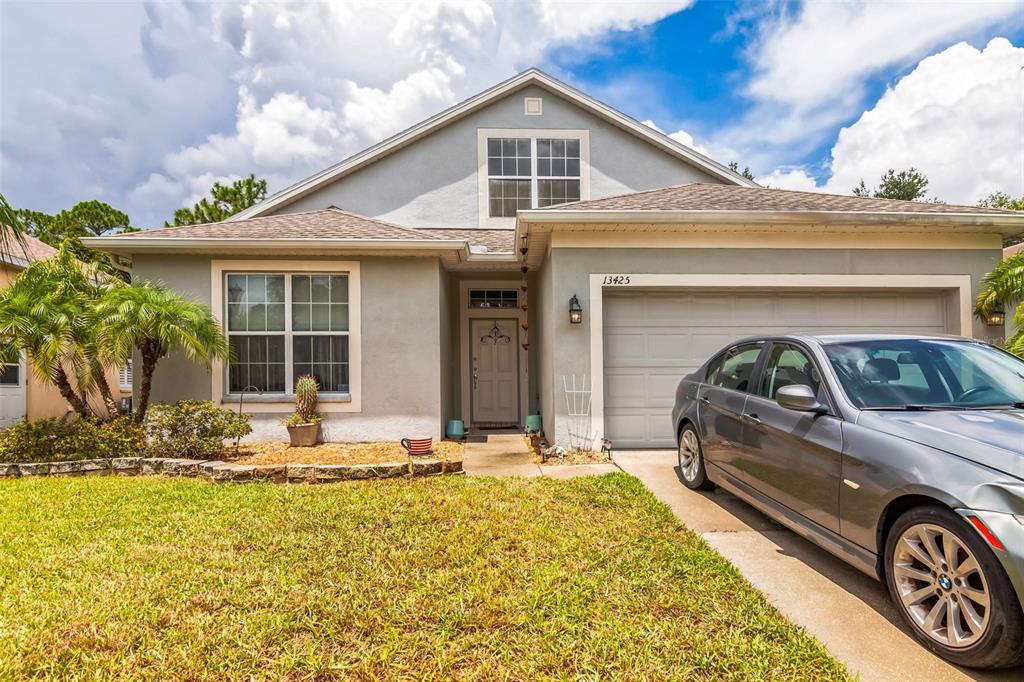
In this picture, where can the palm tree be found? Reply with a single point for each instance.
(1003, 287)
(12, 232)
(49, 312)
(156, 321)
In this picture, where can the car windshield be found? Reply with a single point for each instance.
(927, 374)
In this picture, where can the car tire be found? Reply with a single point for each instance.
(981, 637)
(690, 457)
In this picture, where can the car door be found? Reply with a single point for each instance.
(795, 458)
(721, 399)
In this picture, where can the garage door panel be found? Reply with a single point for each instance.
(653, 339)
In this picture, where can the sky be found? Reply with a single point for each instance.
(144, 106)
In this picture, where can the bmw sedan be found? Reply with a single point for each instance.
(903, 455)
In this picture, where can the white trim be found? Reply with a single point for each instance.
(434, 123)
(961, 284)
(482, 134)
(353, 403)
(739, 238)
(638, 219)
(465, 314)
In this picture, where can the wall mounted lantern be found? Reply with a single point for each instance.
(575, 310)
(996, 318)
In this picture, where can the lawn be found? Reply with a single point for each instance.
(441, 578)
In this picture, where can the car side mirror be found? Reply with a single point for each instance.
(799, 397)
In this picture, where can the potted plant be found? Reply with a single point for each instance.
(304, 424)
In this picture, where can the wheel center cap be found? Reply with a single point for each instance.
(945, 583)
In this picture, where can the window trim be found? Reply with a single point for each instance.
(284, 402)
(533, 134)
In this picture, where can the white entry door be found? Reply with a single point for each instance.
(12, 394)
(494, 372)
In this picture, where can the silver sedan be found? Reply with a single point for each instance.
(903, 455)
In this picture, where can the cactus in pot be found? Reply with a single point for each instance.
(304, 424)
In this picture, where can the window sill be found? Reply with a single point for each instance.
(281, 399)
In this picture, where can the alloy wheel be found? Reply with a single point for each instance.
(689, 455)
(941, 585)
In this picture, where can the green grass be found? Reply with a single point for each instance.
(443, 578)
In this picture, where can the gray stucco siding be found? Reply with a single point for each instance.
(402, 389)
(569, 345)
(433, 182)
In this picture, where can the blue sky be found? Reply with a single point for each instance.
(144, 106)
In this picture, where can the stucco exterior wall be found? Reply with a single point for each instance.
(399, 188)
(401, 386)
(571, 269)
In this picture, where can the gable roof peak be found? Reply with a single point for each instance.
(533, 75)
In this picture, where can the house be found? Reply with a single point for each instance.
(22, 393)
(532, 250)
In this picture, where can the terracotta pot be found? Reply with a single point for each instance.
(304, 435)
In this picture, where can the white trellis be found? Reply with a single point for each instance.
(577, 407)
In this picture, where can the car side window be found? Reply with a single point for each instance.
(733, 369)
(789, 365)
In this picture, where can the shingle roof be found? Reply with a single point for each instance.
(710, 197)
(496, 240)
(328, 223)
(32, 249)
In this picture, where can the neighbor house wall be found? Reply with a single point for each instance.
(434, 182)
(571, 269)
(42, 399)
(401, 386)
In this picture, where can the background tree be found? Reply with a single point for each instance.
(906, 185)
(1002, 200)
(84, 219)
(49, 313)
(225, 201)
(156, 321)
(734, 166)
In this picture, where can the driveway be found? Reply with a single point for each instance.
(847, 611)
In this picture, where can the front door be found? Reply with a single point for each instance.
(793, 457)
(494, 372)
(12, 394)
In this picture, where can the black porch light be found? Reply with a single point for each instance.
(996, 318)
(575, 310)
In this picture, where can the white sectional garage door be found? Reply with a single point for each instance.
(653, 339)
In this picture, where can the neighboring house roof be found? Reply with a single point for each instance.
(1013, 250)
(462, 109)
(21, 254)
(709, 197)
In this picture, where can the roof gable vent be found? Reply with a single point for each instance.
(533, 106)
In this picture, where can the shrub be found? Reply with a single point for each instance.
(193, 429)
(53, 440)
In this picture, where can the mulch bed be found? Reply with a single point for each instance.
(571, 457)
(275, 452)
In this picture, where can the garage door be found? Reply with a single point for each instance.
(651, 340)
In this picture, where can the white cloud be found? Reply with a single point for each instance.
(680, 136)
(789, 178)
(183, 94)
(811, 67)
(958, 117)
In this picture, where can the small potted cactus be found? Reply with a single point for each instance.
(304, 424)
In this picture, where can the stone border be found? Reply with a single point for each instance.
(219, 471)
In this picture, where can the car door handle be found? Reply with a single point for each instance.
(752, 418)
(704, 400)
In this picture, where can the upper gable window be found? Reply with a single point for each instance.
(525, 173)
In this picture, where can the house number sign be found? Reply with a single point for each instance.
(615, 279)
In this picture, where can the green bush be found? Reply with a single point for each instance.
(53, 440)
(192, 429)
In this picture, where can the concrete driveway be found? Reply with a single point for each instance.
(847, 611)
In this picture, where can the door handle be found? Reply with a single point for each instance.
(704, 400)
(476, 374)
(752, 418)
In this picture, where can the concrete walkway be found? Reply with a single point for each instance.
(844, 609)
(508, 455)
